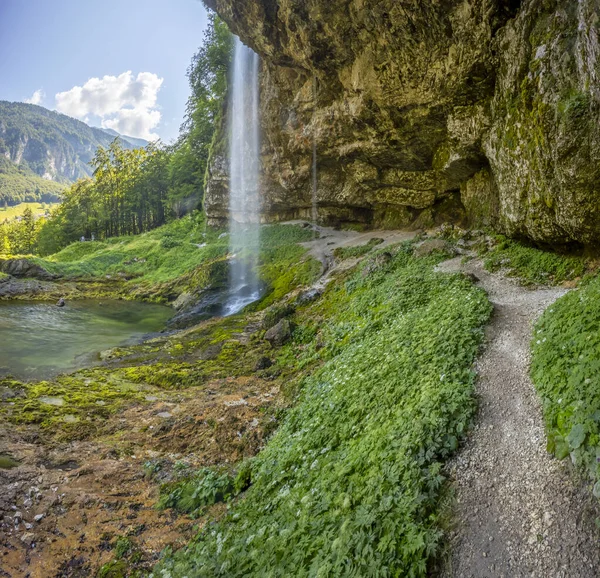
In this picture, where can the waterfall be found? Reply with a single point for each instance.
(244, 185)
(314, 157)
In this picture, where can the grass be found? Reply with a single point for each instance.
(533, 266)
(566, 371)
(181, 256)
(349, 485)
(10, 213)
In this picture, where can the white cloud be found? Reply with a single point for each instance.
(36, 98)
(124, 103)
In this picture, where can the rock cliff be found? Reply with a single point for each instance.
(423, 110)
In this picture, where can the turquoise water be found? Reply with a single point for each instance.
(39, 340)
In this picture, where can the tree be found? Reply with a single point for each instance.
(28, 231)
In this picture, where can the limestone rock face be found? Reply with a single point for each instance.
(414, 105)
(544, 142)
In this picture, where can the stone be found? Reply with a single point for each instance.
(28, 538)
(263, 363)
(25, 268)
(377, 262)
(430, 246)
(279, 333)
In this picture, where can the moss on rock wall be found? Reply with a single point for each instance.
(408, 102)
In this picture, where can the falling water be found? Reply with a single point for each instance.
(244, 201)
(314, 159)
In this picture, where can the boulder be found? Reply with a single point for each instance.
(25, 268)
(280, 333)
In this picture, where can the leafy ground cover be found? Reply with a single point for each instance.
(566, 372)
(350, 483)
(533, 266)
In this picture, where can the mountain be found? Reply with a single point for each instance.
(133, 141)
(44, 148)
(19, 184)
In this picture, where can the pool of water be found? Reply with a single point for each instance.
(39, 340)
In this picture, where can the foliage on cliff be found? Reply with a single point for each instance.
(350, 482)
(208, 76)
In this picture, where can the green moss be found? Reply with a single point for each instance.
(533, 266)
(353, 476)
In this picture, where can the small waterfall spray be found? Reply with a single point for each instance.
(314, 158)
(244, 199)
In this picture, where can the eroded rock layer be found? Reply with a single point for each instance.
(421, 110)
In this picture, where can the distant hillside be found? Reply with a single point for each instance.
(20, 184)
(133, 141)
(44, 150)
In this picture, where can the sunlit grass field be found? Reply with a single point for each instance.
(10, 213)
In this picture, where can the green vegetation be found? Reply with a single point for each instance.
(19, 184)
(191, 496)
(349, 484)
(183, 255)
(20, 236)
(533, 266)
(38, 209)
(41, 136)
(208, 75)
(566, 371)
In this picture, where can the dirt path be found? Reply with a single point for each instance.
(519, 512)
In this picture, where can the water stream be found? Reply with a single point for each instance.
(39, 340)
(244, 198)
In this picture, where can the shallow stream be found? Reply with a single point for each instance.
(39, 340)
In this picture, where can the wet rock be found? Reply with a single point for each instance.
(263, 363)
(309, 296)
(280, 333)
(8, 393)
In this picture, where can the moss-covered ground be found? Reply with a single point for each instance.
(533, 266)
(367, 399)
(349, 484)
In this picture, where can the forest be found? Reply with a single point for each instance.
(132, 191)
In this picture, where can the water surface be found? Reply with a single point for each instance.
(39, 340)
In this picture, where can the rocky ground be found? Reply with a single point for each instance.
(66, 505)
(519, 511)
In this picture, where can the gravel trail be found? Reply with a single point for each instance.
(519, 512)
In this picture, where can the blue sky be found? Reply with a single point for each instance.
(55, 47)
